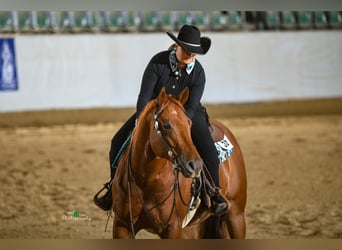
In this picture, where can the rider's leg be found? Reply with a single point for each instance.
(202, 139)
(105, 201)
(118, 140)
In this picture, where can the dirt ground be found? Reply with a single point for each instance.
(52, 163)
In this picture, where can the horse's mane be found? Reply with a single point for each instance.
(150, 105)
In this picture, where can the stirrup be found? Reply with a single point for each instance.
(104, 202)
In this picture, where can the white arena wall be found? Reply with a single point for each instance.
(64, 71)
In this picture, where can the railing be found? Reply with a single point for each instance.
(158, 21)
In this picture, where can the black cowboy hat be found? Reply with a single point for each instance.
(189, 38)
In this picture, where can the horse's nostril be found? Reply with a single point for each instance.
(191, 166)
(194, 167)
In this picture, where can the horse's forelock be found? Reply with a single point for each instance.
(171, 100)
(159, 104)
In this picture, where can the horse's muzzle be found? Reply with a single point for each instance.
(190, 168)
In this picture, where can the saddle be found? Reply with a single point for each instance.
(223, 145)
(216, 133)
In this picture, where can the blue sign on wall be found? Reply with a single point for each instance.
(8, 68)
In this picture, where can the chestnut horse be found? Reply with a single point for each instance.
(151, 188)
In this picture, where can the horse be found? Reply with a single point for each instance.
(156, 172)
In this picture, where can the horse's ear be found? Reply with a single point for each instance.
(162, 94)
(184, 95)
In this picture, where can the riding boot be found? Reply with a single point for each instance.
(219, 205)
(105, 202)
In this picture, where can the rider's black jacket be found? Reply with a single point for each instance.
(159, 73)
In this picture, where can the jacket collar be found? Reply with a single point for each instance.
(174, 63)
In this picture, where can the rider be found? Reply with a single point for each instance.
(175, 69)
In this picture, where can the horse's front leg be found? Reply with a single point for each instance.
(175, 231)
(171, 234)
(121, 230)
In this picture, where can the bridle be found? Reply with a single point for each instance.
(170, 151)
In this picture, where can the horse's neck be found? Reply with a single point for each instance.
(145, 163)
(140, 141)
(152, 172)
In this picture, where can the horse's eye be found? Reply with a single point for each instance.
(167, 126)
